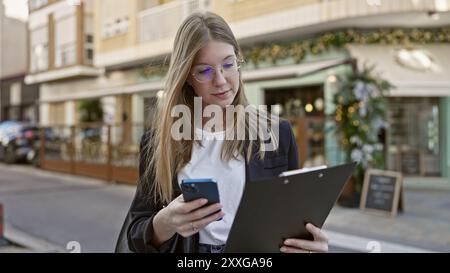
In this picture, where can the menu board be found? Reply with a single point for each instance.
(381, 192)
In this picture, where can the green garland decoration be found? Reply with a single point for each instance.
(150, 71)
(297, 50)
(361, 108)
(275, 52)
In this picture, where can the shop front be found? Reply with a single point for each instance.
(303, 95)
(303, 106)
(418, 113)
(416, 140)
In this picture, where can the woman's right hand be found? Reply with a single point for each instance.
(185, 218)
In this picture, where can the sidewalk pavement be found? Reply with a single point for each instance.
(62, 209)
(424, 225)
(23, 242)
(424, 222)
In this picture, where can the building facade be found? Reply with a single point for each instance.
(132, 42)
(17, 100)
(60, 55)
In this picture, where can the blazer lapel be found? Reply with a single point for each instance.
(249, 165)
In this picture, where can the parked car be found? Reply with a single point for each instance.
(16, 140)
(32, 156)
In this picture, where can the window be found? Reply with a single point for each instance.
(114, 19)
(413, 136)
(66, 55)
(65, 41)
(39, 49)
(39, 57)
(89, 38)
(114, 28)
(89, 56)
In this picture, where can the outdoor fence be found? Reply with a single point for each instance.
(104, 151)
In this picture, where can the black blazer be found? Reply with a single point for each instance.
(137, 230)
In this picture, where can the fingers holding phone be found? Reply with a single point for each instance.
(184, 218)
(200, 218)
(189, 218)
(202, 189)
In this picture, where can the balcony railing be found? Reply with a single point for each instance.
(162, 22)
(159, 24)
(324, 11)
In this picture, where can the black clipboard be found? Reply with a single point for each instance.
(278, 208)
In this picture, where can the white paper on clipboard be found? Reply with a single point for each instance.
(303, 170)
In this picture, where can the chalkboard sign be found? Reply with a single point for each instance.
(382, 192)
(411, 163)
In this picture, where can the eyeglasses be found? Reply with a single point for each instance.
(206, 73)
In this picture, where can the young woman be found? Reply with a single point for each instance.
(205, 63)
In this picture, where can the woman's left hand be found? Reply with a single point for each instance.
(320, 243)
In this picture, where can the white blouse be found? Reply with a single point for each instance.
(230, 176)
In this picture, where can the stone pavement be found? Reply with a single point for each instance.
(423, 226)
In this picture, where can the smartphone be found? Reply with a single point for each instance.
(200, 188)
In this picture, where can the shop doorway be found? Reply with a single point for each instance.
(304, 108)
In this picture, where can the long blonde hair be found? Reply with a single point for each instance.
(164, 156)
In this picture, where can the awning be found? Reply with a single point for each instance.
(424, 74)
(272, 73)
(290, 71)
